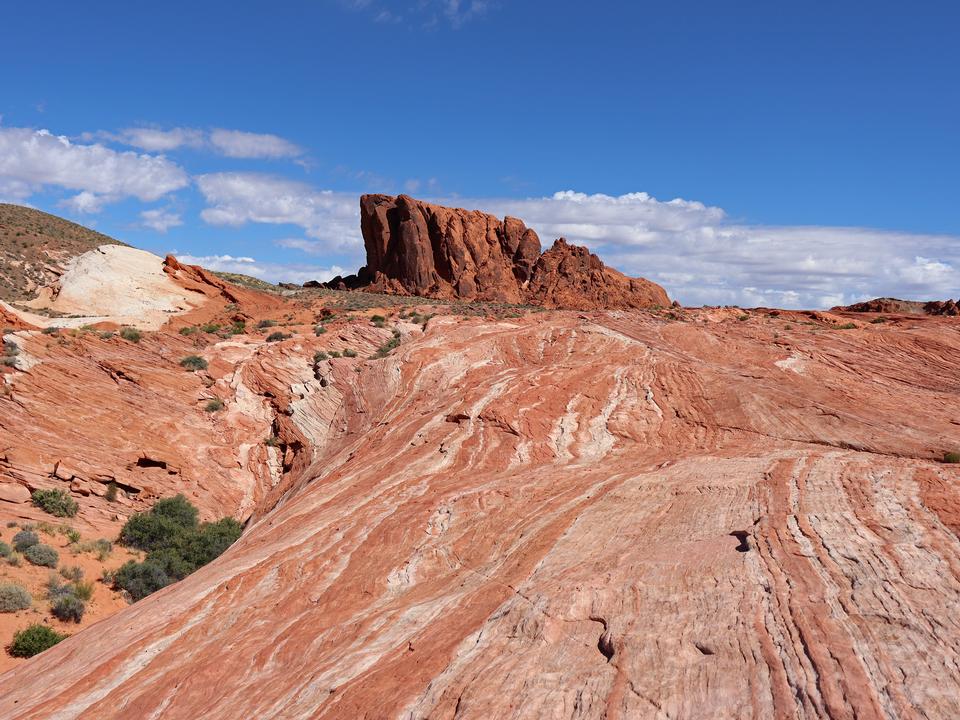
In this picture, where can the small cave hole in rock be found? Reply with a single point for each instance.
(605, 646)
(146, 462)
(704, 648)
(742, 536)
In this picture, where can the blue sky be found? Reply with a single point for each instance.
(783, 154)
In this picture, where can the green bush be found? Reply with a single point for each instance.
(194, 363)
(276, 337)
(319, 356)
(847, 326)
(42, 555)
(5, 549)
(24, 539)
(131, 334)
(239, 327)
(188, 330)
(266, 323)
(82, 589)
(176, 545)
(56, 502)
(319, 330)
(214, 405)
(951, 457)
(51, 330)
(210, 328)
(349, 353)
(334, 353)
(68, 608)
(14, 597)
(14, 558)
(140, 579)
(153, 529)
(34, 639)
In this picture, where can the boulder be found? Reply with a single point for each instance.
(14, 493)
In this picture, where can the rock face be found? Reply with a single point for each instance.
(570, 276)
(420, 249)
(610, 516)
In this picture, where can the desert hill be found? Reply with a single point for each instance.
(478, 509)
(34, 247)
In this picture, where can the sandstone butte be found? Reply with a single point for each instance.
(415, 248)
(677, 513)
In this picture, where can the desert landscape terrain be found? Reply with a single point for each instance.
(477, 480)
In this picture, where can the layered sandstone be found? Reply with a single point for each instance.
(417, 248)
(603, 515)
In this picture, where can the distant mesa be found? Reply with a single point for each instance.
(416, 248)
(893, 306)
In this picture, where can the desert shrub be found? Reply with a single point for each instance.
(42, 555)
(82, 589)
(951, 457)
(24, 539)
(389, 345)
(106, 334)
(5, 549)
(72, 572)
(349, 353)
(68, 608)
(100, 547)
(12, 523)
(188, 330)
(111, 494)
(34, 639)
(319, 330)
(272, 441)
(51, 330)
(176, 545)
(378, 320)
(276, 337)
(14, 559)
(743, 318)
(266, 324)
(210, 328)
(47, 528)
(239, 327)
(140, 579)
(878, 321)
(14, 597)
(334, 353)
(131, 334)
(153, 529)
(194, 363)
(319, 356)
(72, 535)
(847, 326)
(214, 405)
(55, 501)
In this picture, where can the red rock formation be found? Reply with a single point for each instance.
(893, 306)
(420, 249)
(570, 276)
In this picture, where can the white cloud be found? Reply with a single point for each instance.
(700, 257)
(239, 144)
(31, 159)
(230, 143)
(160, 220)
(311, 247)
(158, 140)
(269, 271)
(238, 198)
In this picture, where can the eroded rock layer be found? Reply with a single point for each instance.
(417, 248)
(607, 515)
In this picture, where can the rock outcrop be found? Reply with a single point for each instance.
(570, 276)
(894, 306)
(415, 248)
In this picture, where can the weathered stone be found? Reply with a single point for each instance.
(14, 493)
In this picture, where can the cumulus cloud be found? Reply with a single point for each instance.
(160, 220)
(237, 198)
(230, 143)
(701, 257)
(270, 271)
(32, 159)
